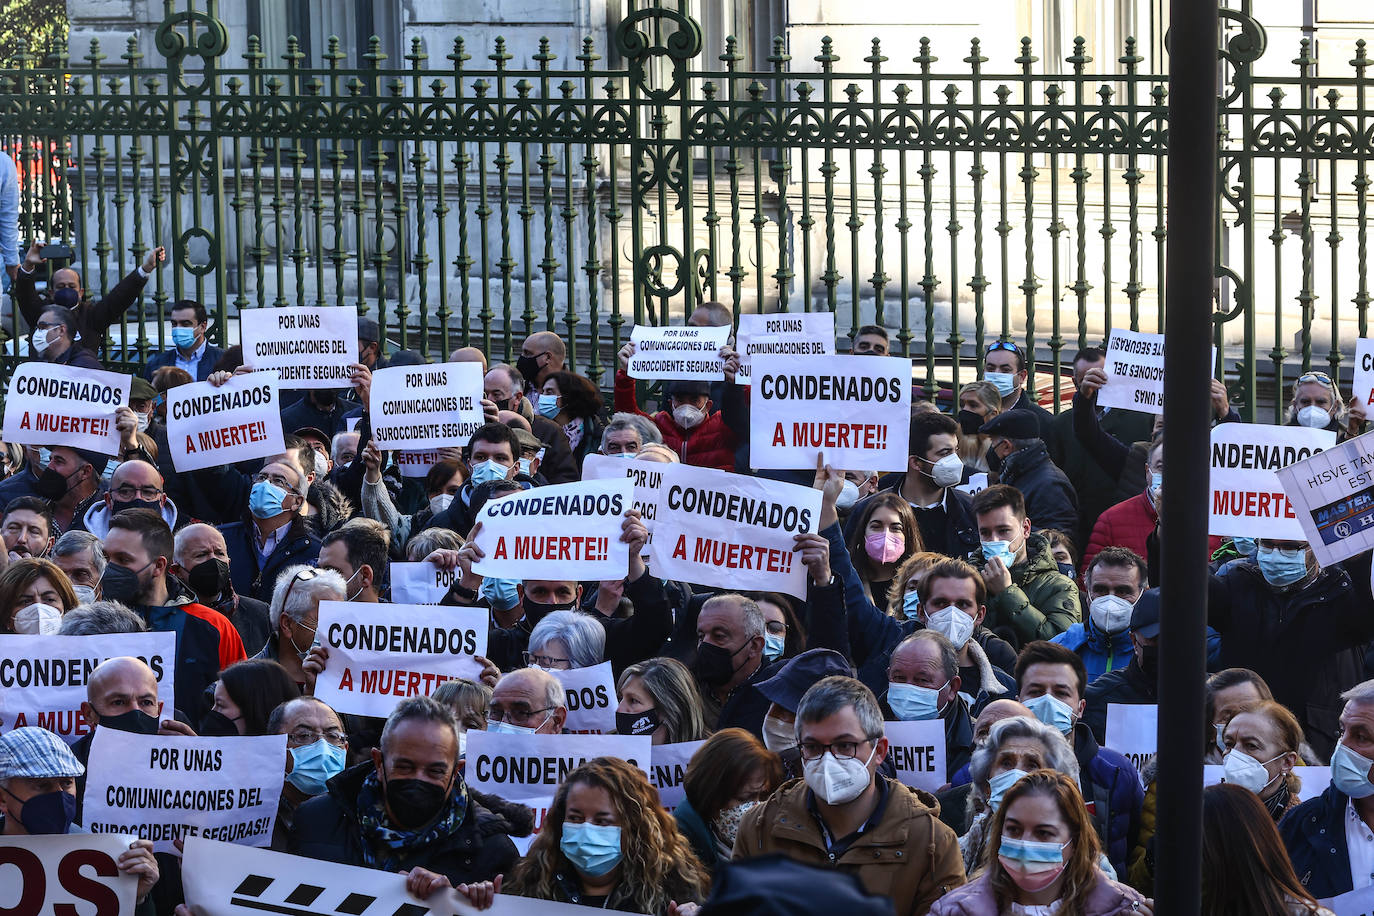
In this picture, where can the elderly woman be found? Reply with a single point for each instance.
(1262, 746)
(1317, 404)
(295, 612)
(564, 640)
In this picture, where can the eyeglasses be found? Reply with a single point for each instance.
(843, 750)
(516, 716)
(304, 575)
(547, 661)
(276, 480)
(302, 736)
(128, 491)
(776, 628)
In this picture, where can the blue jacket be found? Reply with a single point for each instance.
(1100, 653)
(1314, 835)
(1113, 793)
(297, 545)
(204, 366)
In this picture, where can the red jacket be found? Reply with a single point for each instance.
(1126, 524)
(710, 445)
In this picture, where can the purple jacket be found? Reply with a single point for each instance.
(976, 899)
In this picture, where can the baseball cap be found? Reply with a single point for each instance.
(796, 677)
(1145, 614)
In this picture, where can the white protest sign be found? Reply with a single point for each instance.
(854, 409)
(1133, 731)
(977, 483)
(647, 477)
(309, 347)
(43, 678)
(167, 788)
(1363, 386)
(209, 426)
(416, 464)
(1332, 494)
(380, 654)
(422, 407)
(1135, 372)
(668, 771)
(419, 583)
(529, 768)
(48, 404)
(566, 531)
(918, 750)
(1247, 498)
(783, 334)
(591, 699)
(1355, 903)
(1315, 780)
(678, 353)
(67, 874)
(732, 531)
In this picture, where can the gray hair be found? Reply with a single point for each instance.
(420, 709)
(1058, 752)
(430, 540)
(831, 694)
(949, 656)
(751, 616)
(334, 445)
(1361, 694)
(648, 432)
(554, 694)
(277, 719)
(75, 542)
(100, 618)
(584, 637)
(306, 595)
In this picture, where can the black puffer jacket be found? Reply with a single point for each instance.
(327, 828)
(1050, 499)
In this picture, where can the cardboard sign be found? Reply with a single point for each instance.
(1332, 495)
(1315, 780)
(65, 873)
(416, 464)
(168, 788)
(735, 532)
(783, 334)
(309, 347)
(567, 531)
(43, 678)
(423, 407)
(647, 477)
(855, 409)
(380, 654)
(918, 750)
(1133, 731)
(48, 404)
(419, 583)
(238, 421)
(529, 768)
(668, 771)
(678, 353)
(1247, 498)
(591, 699)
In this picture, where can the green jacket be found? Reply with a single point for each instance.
(1041, 603)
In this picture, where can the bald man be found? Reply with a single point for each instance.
(121, 694)
(542, 354)
(200, 558)
(469, 355)
(134, 485)
(528, 698)
(995, 712)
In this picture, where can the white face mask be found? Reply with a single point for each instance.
(687, 416)
(948, 471)
(440, 502)
(37, 620)
(141, 422)
(849, 495)
(778, 735)
(1110, 613)
(84, 594)
(1314, 417)
(953, 624)
(1243, 770)
(836, 781)
(321, 466)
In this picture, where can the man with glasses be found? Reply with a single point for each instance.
(318, 747)
(528, 702)
(844, 816)
(1005, 366)
(134, 485)
(275, 535)
(294, 615)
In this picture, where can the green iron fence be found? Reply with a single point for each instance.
(462, 201)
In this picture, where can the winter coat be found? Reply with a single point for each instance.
(330, 508)
(1094, 485)
(206, 644)
(1041, 603)
(697, 832)
(204, 366)
(960, 534)
(1042, 416)
(908, 856)
(93, 319)
(297, 545)
(1050, 499)
(1113, 793)
(1126, 524)
(1305, 641)
(711, 444)
(1109, 898)
(1126, 686)
(1100, 653)
(1314, 835)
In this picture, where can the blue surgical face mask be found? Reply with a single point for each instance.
(773, 646)
(1350, 772)
(500, 593)
(999, 549)
(1156, 482)
(525, 465)
(593, 850)
(265, 499)
(1051, 710)
(912, 703)
(314, 765)
(1282, 567)
(999, 784)
(486, 471)
(911, 603)
(1245, 546)
(548, 405)
(1005, 381)
(183, 337)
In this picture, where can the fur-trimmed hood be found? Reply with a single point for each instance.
(329, 508)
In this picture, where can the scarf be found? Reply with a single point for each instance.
(385, 846)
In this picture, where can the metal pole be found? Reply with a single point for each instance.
(1187, 372)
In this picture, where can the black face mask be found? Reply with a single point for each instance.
(116, 506)
(120, 583)
(503, 404)
(52, 485)
(637, 723)
(713, 665)
(536, 611)
(969, 422)
(528, 367)
(209, 578)
(414, 802)
(325, 398)
(135, 722)
(1149, 662)
(215, 724)
(994, 461)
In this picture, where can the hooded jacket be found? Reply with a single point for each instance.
(711, 444)
(1050, 499)
(908, 855)
(1108, 898)
(1041, 602)
(254, 579)
(1113, 793)
(1100, 652)
(96, 518)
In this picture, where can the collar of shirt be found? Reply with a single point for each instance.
(189, 363)
(1359, 840)
(940, 503)
(838, 847)
(265, 546)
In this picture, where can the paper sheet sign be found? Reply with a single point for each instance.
(566, 531)
(167, 788)
(43, 678)
(854, 409)
(309, 347)
(918, 750)
(977, 483)
(416, 464)
(591, 699)
(1332, 493)
(419, 583)
(668, 771)
(49, 404)
(1246, 495)
(1133, 731)
(1135, 372)
(423, 407)
(678, 353)
(783, 334)
(65, 873)
(647, 477)
(732, 531)
(238, 421)
(1363, 386)
(379, 654)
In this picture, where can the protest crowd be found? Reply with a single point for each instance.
(797, 641)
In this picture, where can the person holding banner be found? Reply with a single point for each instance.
(658, 697)
(293, 616)
(1317, 404)
(923, 684)
(607, 842)
(528, 701)
(1138, 682)
(728, 776)
(318, 747)
(689, 427)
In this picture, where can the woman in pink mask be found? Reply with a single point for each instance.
(885, 535)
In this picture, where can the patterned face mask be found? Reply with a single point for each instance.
(726, 823)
